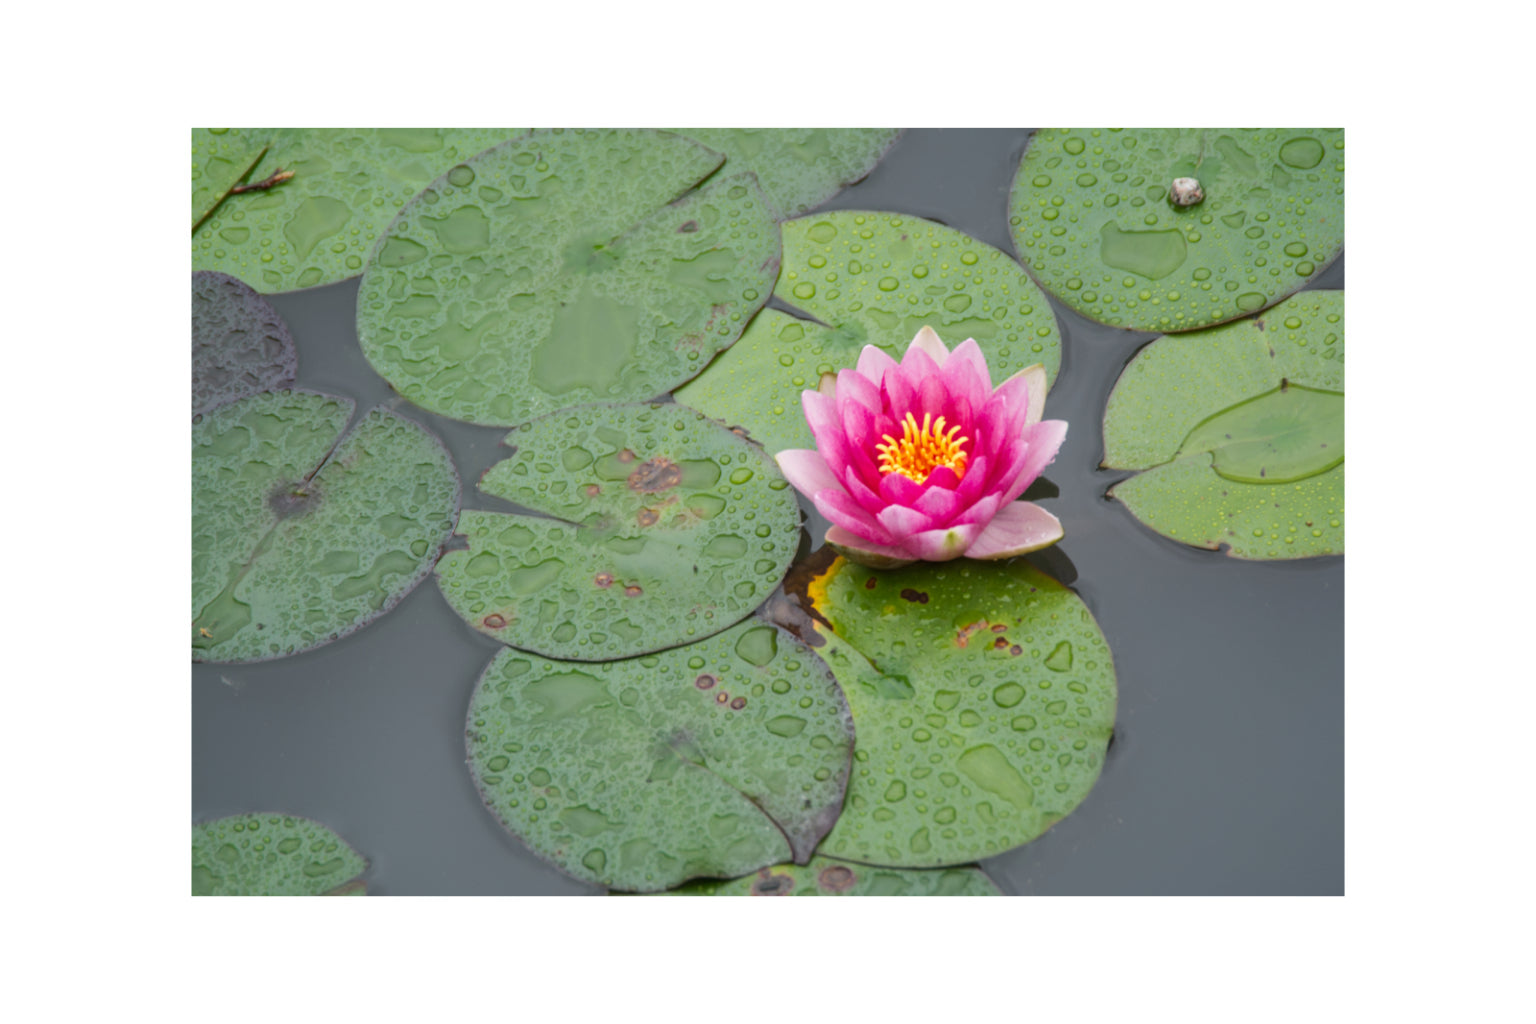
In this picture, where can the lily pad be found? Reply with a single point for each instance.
(798, 168)
(273, 855)
(303, 531)
(240, 345)
(565, 267)
(668, 528)
(1092, 219)
(317, 227)
(877, 279)
(717, 758)
(983, 695)
(1240, 429)
(826, 877)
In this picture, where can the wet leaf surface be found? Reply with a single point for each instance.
(713, 759)
(1092, 220)
(302, 533)
(668, 528)
(983, 695)
(565, 267)
(317, 227)
(825, 877)
(876, 279)
(273, 855)
(1240, 429)
(798, 168)
(240, 345)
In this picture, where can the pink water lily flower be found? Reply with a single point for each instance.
(922, 460)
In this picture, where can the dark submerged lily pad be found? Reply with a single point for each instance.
(717, 758)
(317, 227)
(565, 267)
(1240, 431)
(302, 533)
(826, 877)
(983, 695)
(1092, 219)
(273, 855)
(668, 528)
(240, 345)
(798, 168)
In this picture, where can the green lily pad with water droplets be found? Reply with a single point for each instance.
(826, 877)
(667, 528)
(798, 168)
(317, 227)
(303, 531)
(1092, 220)
(713, 759)
(240, 345)
(566, 267)
(1240, 432)
(983, 695)
(273, 855)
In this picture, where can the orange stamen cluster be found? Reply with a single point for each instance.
(923, 449)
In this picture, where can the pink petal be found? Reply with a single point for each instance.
(968, 354)
(900, 521)
(900, 490)
(939, 505)
(931, 399)
(980, 513)
(831, 440)
(896, 394)
(941, 545)
(857, 549)
(942, 476)
(1044, 441)
(842, 510)
(861, 493)
(853, 386)
(918, 364)
(975, 480)
(1035, 375)
(806, 470)
(929, 343)
(1021, 526)
(874, 364)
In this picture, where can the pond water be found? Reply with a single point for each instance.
(1225, 775)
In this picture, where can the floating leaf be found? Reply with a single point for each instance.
(824, 877)
(713, 759)
(273, 855)
(565, 267)
(220, 159)
(669, 528)
(240, 345)
(317, 227)
(798, 168)
(1241, 431)
(1092, 219)
(877, 278)
(301, 535)
(983, 695)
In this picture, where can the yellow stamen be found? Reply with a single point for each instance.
(923, 449)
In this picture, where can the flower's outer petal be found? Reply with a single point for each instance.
(874, 364)
(942, 476)
(827, 386)
(853, 386)
(928, 342)
(900, 521)
(969, 354)
(831, 440)
(860, 492)
(1035, 377)
(841, 509)
(896, 489)
(806, 470)
(918, 364)
(1044, 441)
(857, 549)
(1020, 527)
(943, 544)
(939, 505)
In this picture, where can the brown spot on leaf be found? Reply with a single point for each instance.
(869, 584)
(705, 681)
(494, 621)
(592, 490)
(603, 579)
(999, 627)
(768, 884)
(647, 517)
(722, 697)
(626, 456)
(632, 590)
(659, 474)
(914, 595)
(1000, 643)
(689, 226)
(964, 634)
(836, 878)
(738, 703)
(1015, 650)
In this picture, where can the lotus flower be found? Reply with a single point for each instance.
(921, 460)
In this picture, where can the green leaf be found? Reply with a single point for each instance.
(798, 168)
(272, 855)
(877, 279)
(983, 695)
(302, 533)
(1240, 429)
(825, 877)
(668, 528)
(565, 267)
(1092, 220)
(240, 345)
(317, 227)
(713, 759)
